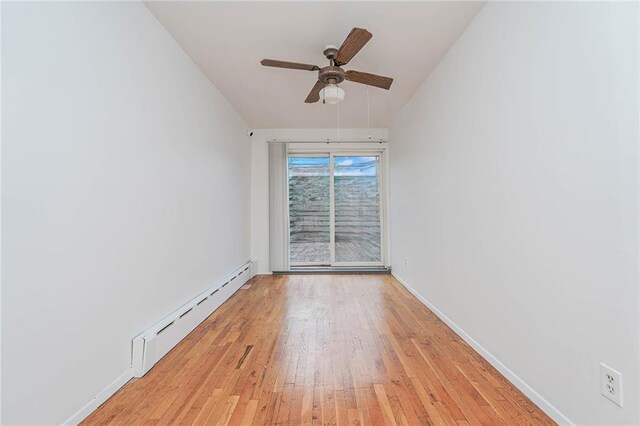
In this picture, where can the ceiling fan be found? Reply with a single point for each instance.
(330, 76)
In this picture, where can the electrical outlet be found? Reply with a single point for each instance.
(611, 384)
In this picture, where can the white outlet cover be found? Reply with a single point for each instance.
(611, 384)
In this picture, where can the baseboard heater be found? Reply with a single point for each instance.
(151, 345)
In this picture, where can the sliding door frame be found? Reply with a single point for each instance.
(337, 151)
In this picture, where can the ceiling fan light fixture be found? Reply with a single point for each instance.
(332, 94)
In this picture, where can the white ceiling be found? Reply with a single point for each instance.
(227, 40)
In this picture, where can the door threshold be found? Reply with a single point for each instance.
(335, 270)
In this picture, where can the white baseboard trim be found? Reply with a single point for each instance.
(534, 396)
(104, 394)
(124, 378)
(114, 387)
(81, 414)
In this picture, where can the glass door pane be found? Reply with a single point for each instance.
(309, 211)
(357, 209)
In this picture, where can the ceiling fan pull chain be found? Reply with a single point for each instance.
(368, 115)
(338, 112)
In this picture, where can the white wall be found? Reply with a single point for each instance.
(125, 192)
(260, 177)
(519, 159)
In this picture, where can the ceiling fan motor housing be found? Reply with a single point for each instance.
(331, 75)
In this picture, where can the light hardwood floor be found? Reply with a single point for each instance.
(321, 349)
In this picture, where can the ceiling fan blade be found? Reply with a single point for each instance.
(355, 41)
(314, 94)
(290, 65)
(369, 79)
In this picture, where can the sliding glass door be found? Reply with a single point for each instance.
(356, 210)
(309, 181)
(334, 210)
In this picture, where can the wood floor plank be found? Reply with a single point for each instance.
(385, 405)
(321, 350)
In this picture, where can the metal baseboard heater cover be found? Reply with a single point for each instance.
(151, 345)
